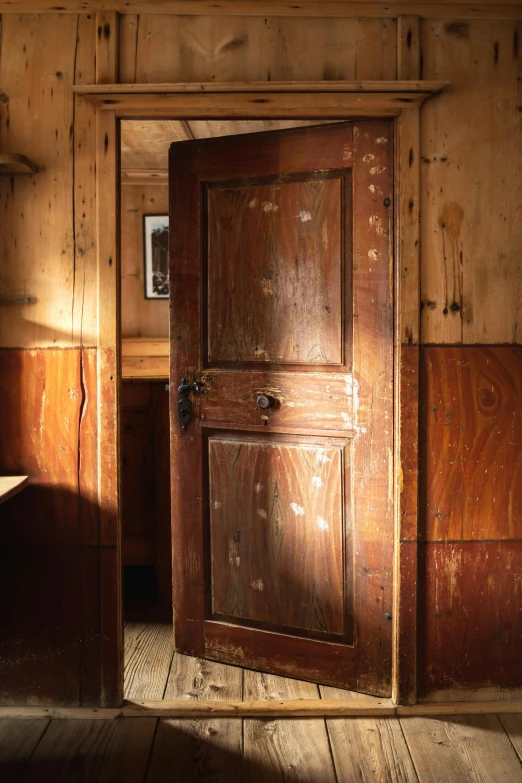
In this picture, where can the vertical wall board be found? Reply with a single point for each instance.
(107, 47)
(409, 48)
(472, 183)
(140, 317)
(37, 69)
(49, 434)
(221, 48)
(471, 438)
(472, 630)
(84, 162)
(128, 24)
(49, 628)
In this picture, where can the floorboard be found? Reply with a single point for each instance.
(92, 751)
(148, 655)
(461, 749)
(284, 750)
(199, 749)
(512, 724)
(367, 749)
(18, 739)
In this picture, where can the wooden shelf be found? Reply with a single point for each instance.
(17, 164)
(11, 485)
(145, 357)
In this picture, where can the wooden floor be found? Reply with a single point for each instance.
(449, 749)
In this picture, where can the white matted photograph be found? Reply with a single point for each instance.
(156, 251)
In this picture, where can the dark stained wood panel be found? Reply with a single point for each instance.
(471, 441)
(50, 627)
(275, 272)
(49, 433)
(276, 532)
(471, 634)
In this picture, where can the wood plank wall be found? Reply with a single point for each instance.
(471, 296)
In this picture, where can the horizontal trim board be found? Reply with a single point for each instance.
(368, 706)
(259, 105)
(208, 88)
(462, 541)
(481, 9)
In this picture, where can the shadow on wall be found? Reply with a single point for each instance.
(50, 611)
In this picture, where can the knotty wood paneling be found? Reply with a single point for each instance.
(160, 48)
(471, 437)
(140, 317)
(41, 58)
(471, 193)
(49, 634)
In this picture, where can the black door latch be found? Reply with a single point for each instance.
(184, 401)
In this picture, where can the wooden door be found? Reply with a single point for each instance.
(281, 287)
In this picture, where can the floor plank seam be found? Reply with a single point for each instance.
(40, 738)
(151, 749)
(399, 719)
(168, 675)
(519, 757)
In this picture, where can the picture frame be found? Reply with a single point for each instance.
(156, 256)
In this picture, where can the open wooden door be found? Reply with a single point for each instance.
(282, 481)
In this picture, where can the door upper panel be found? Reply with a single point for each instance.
(275, 259)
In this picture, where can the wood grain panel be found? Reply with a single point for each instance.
(304, 401)
(213, 48)
(471, 436)
(148, 655)
(472, 620)
(367, 749)
(252, 232)
(140, 317)
(465, 748)
(373, 379)
(18, 739)
(278, 549)
(201, 748)
(93, 751)
(313, 8)
(471, 183)
(37, 71)
(49, 430)
(284, 750)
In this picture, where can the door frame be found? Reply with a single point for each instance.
(335, 100)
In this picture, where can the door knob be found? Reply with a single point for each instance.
(264, 401)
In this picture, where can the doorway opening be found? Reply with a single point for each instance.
(145, 463)
(150, 669)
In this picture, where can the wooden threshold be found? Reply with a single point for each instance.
(285, 708)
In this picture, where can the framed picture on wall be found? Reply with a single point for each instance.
(156, 251)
